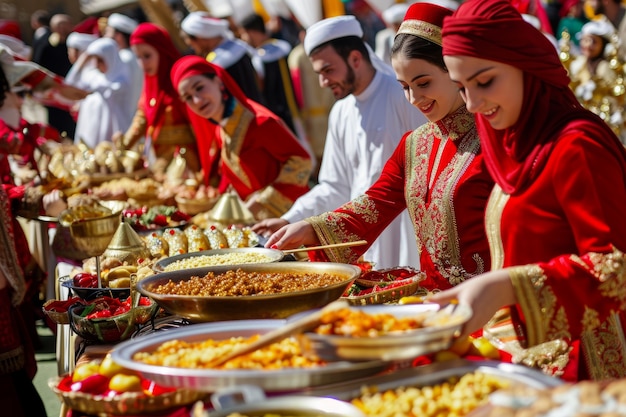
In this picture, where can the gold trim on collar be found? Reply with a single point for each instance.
(422, 29)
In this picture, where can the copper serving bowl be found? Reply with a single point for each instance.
(271, 306)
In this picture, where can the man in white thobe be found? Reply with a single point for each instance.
(364, 128)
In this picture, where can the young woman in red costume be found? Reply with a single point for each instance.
(161, 117)
(259, 156)
(555, 220)
(437, 172)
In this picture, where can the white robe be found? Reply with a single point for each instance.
(104, 111)
(363, 132)
(136, 78)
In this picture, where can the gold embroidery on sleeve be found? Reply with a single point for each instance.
(432, 209)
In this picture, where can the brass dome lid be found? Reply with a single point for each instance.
(126, 245)
(230, 209)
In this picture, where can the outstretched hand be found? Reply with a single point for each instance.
(266, 227)
(293, 236)
(485, 294)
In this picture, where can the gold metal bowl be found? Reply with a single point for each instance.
(93, 236)
(271, 306)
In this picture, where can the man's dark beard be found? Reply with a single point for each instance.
(348, 83)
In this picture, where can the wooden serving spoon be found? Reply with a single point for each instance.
(300, 325)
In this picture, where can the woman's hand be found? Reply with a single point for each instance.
(53, 203)
(266, 227)
(485, 294)
(293, 236)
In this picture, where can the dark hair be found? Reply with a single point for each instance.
(4, 87)
(254, 22)
(125, 35)
(414, 47)
(42, 17)
(343, 47)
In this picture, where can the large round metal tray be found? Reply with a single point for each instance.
(273, 306)
(433, 374)
(442, 326)
(273, 255)
(287, 379)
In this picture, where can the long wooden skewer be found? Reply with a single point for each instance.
(334, 245)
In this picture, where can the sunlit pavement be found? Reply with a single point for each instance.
(47, 368)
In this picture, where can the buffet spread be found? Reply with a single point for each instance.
(148, 262)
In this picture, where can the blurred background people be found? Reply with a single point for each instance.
(211, 38)
(119, 28)
(161, 124)
(392, 17)
(259, 157)
(51, 53)
(104, 111)
(275, 77)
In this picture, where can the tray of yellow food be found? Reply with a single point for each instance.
(451, 388)
(386, 332)
(179, 358)
(215, 257)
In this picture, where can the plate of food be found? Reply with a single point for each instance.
(384, 286)
(215, 257)
(386, 332)
(447, 388)
(279, 367)
(250, 291)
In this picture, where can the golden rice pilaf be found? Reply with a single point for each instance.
(197, 355)
(219, 259)
(241, 283)
(453, 398)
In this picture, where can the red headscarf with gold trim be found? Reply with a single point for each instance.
(158, 87)
(494, 30)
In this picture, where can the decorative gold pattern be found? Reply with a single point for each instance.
(175, 135)
(329, 229)
(493, 221)
(603, 343)
(424, 30)
(233, 136)
(432, 209)
(604, 349)
(274, 202)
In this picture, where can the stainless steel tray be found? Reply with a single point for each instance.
(288, 379)
(273, 255)
(436, 336)
(435, 373)
(271, 306)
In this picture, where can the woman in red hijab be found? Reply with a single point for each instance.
(259, 156)
(555, 220)
(160, 117)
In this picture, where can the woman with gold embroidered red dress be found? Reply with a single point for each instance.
(555, 220)
(160, 116)
(437, 172)
(259, 156)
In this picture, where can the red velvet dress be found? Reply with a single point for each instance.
(576, 206)
(436, 172)
(259, 153)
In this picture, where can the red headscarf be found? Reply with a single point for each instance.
(189, 66)
(206, 131)
(158, 87)
(494, 30)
